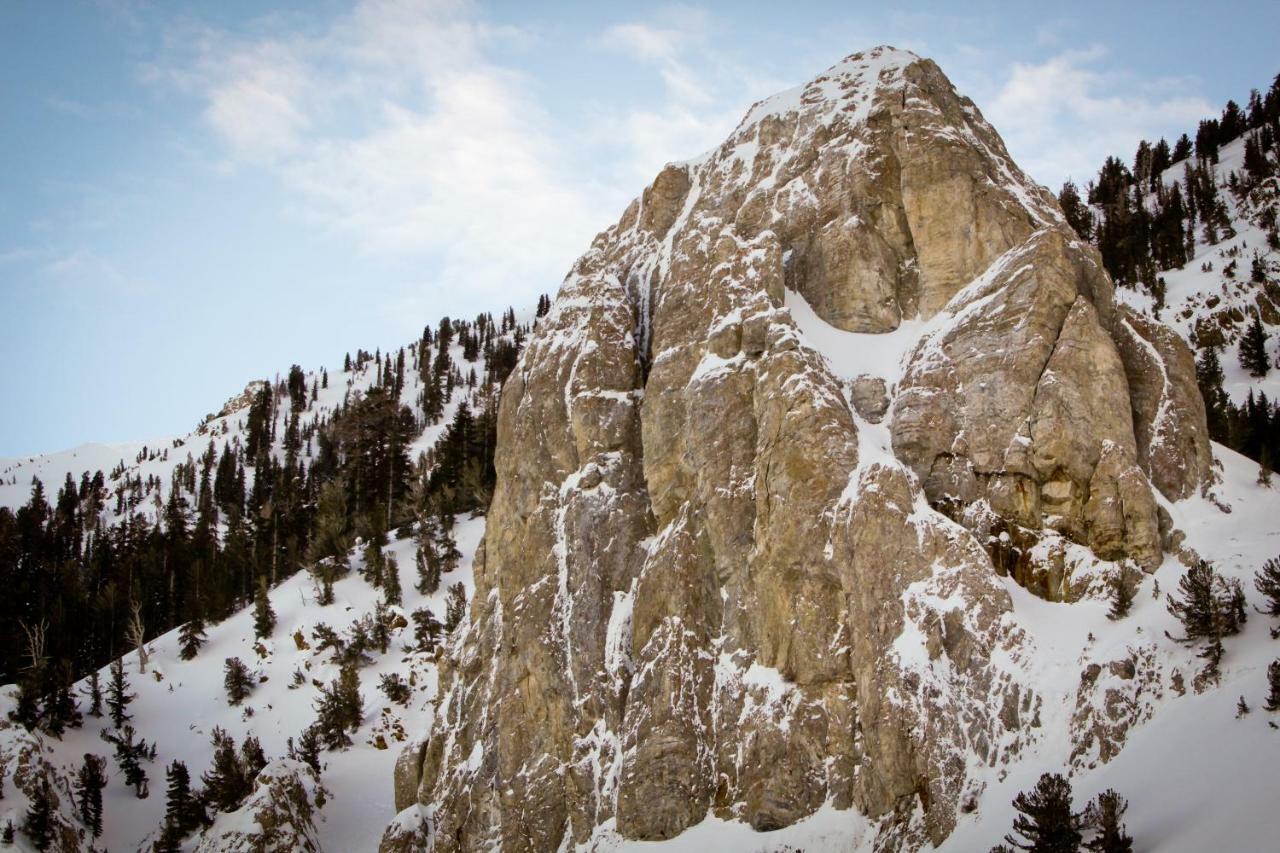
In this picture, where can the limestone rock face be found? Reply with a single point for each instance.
(710, 581)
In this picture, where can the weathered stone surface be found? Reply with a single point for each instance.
(870, 397)
(701, 589)
(1018, 400)
(1111, 700)
(408, 773)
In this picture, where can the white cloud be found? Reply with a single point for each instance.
(85, 268)
(703, 96)
(394, 128)
(1062, 117)
(258, 108)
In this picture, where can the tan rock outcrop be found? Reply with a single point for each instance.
(1022, 400)
(702, 588)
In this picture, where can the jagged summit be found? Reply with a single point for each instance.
(716, 578)
(849, 83)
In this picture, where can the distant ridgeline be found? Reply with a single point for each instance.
(292, 473)
(1207, 211)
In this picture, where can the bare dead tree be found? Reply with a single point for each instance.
(136, 633)
(36, 644)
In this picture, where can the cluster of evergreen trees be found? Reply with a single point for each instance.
(1143, 226)
(1047, 822)
(293, 489)
(1251, 428)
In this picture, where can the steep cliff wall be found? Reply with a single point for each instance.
(707, 584)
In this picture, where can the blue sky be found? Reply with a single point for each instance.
(196, 195)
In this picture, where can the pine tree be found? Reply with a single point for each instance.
(90, 780)
(95, 694)
(1273, 686)
(380, 629)
(426, 629)
(118, 695)
(1207, 607)
(1076, 211)
(455, 607)
(1267, 582)
(9, 835)
(183, 812)
(308, 749)
(1105, 815)
(237, 680)
(1253, 349)
(391, 591)
(1045, 822)
(395, 688)
(226, 784)
(191, 638)
(1216, 404)
(60, 710)
(129, 756)
(252, 757)
(428, 564)
(1122, 586)
(38, 823)
(374, 562)
(264, 618)
(339, 709)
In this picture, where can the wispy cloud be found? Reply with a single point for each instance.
(85, 268)
(394, 127)
(704, 92)
(1062, 117)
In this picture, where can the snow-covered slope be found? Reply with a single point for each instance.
(180, 702)
(1205, 296)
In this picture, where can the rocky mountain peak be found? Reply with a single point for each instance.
(713, 580)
